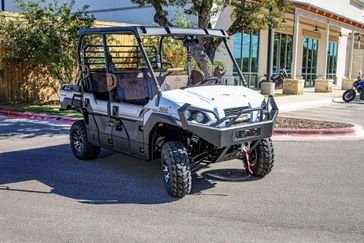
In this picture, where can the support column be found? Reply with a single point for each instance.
(293, 85)
(295, 45)
(347, 82)
(324, 85)
(325, 50)
(351, 54)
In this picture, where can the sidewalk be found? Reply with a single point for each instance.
(307, 100)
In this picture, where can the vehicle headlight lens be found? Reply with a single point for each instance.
(199, 117)
(187, 114)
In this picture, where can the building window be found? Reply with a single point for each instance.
(309, 61)
(332, 61)
(247, 56)
(282, 53)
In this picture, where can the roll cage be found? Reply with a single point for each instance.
(144, 31)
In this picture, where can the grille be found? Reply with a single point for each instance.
(233, 111)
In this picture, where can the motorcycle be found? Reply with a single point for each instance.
(350, 94)
(276, 78)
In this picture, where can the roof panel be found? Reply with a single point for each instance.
(154, 31)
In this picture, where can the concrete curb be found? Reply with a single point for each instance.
(39, 117)
(278, 132)
(350, 131)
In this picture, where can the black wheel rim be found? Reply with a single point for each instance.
(349, 95)
(78, 142)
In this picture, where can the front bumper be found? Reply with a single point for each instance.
(234, 134)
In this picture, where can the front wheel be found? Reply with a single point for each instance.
(176, 169)
(80, 146)
(349, 95)
(262, 158)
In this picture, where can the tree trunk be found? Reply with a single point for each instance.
(203, 61)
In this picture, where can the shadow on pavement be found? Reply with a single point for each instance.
(109, 179)
(229, 175)
(9, 128)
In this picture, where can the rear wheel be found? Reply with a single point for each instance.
(262, 158)
(349, 95)
(176, 169)
(81, 148)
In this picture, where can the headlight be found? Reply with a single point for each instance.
(199, 117)
(187, 114)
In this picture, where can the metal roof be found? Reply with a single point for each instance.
(154, 31)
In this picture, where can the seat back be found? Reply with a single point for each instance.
(133, 88)
(98, 84)
(197, 76)
(173, 82)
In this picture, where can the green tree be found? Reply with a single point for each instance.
(42, 39)
(248, 15)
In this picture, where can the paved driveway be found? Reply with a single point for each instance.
(337, 111)
(314, 193)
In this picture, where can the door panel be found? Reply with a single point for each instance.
(105, 125)
(127, 133)
(121, 141)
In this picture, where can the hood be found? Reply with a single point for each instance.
(215, 98)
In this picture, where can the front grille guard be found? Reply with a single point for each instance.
(270, 115)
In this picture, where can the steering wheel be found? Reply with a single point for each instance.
(211, 80)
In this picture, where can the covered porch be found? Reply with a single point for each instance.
(325, 49)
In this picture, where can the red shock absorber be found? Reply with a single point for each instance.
(246, 151)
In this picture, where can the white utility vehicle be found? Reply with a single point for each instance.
(136, 103)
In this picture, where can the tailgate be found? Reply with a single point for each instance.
(70, 97)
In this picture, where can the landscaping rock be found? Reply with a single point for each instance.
(299, 123)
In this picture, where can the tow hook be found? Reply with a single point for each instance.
(245, 150)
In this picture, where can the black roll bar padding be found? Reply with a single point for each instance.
(154, 78)
(107, 67)
(234, 62)
(161, 50)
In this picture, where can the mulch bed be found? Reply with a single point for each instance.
(299, 123)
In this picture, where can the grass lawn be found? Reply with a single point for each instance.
(44, 109)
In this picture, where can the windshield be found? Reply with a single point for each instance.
(177, 63)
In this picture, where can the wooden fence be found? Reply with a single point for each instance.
(9, 79)
(17, 85)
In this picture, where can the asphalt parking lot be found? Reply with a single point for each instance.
(315, 193)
